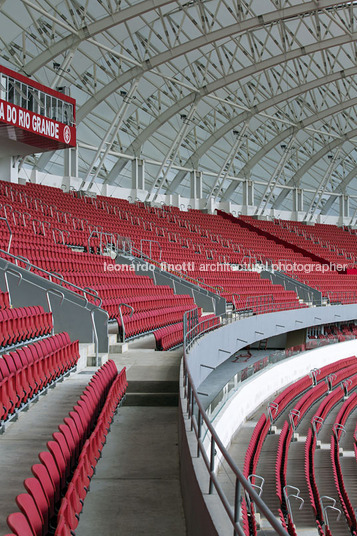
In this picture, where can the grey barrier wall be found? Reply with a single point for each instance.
(195, 501)
(204, 510)
(71, 311)
(217, 346)
(209, 301)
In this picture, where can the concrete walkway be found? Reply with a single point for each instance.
(136, 489)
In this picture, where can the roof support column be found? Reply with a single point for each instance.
(228, 162)
(171, 155)
(9, 169)
(344, 208)
(268, 192)
(298, 202)
(110, 136)
(70, 162)
(248, 194)
(196, 184)
(138, 174)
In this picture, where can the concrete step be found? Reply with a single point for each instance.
(145, 342)
(152, 393)
(152, 386)
(152, 399)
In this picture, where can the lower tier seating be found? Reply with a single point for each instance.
(54, 496)
(28, 371)
(23, 324)
(324, 389)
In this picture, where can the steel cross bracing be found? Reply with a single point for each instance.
(228, 162)
(287, 68)
(320, 190)
(268, 191)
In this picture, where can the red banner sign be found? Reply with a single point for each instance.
(37, 124)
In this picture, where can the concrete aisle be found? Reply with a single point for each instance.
(25, 438)
(136, 488)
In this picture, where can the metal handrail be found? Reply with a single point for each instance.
(57, 274)
(193, 401)
(95, 334)
(57, 293)
(16, 274)
(86, 292)
(121, 317)
(41, 225)
(54, 234)
(234, 300)
(10, 231)
(23, 259)
(150, 242)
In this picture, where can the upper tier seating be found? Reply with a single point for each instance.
(335, 247)
(53, 221)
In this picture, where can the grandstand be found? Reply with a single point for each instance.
(178, 268)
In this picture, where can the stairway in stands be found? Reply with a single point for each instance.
(152, 375)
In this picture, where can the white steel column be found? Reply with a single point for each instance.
(196, 184)
(138, 174)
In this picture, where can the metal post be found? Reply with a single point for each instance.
(237, 494)
(211, 465)
(121, 317)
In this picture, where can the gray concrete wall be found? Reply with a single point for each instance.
(217, 346)
(72, 314)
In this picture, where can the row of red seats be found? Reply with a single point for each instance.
(291, 392)
(343, 369)
(141, 323)
(216, 242)
(4, 300)
(280, 477)
(151, 303)
(310, 446)
(172, 335)
(39, 506)
(72, 503)
(250, 464)
(24, 323)
(300, 408)
(348, 510)
(25, 373)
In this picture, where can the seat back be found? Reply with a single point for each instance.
(28, 507)
(19, 524)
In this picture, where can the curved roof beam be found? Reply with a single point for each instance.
(234, 122)
(311, 162)
(216, 35)
(245, 171)
(219, 84)
(340, 188)
(91, 30)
